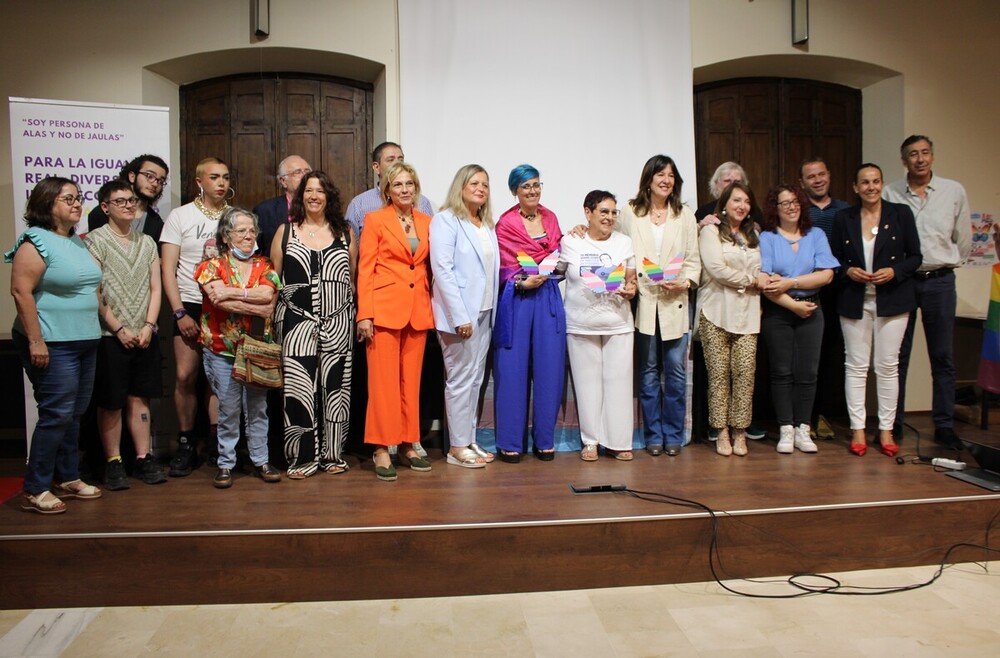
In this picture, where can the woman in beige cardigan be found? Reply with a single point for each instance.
(729, 300)
(664, 234)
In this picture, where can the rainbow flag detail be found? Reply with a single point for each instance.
(653, 271)
(989, 364)
(527, 263)
(616, 278)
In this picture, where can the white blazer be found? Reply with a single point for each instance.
(680, 236)
(459, 270)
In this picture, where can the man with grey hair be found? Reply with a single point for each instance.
(274, 212)
(725, 174)
(944, 226)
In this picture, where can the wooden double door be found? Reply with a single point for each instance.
(769, 125)
(253, 123)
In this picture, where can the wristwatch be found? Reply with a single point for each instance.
(179, 313)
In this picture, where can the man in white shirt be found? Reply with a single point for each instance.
(941, 209)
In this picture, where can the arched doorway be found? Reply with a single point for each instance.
(254, 121)
(769, 125)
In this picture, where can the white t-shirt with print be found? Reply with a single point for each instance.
(190, 229)
(587, 312)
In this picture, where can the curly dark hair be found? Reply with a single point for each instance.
(747, 225)
(334, 213)
(643, 199)
(770, 222)
(38, 210)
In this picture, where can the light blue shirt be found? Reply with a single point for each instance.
(943, 221)
(66, 293)
(777, 256)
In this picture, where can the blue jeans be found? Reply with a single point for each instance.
(235, 398)
(62, 391)
(663, 405)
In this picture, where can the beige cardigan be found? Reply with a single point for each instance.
(728, 272)
(680, 235)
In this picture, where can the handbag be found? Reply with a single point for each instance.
(257, 362)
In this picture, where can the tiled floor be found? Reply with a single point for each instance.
(956, 616)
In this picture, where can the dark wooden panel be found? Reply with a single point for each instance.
(252, 133)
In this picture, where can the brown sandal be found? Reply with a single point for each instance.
(589, 452)
(621, 455)
(75, 489)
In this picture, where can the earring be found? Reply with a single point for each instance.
(232, 193)
(723, 213)
(201, 191)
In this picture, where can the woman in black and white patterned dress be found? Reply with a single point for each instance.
(316, 254)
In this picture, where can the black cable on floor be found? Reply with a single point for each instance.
(831, 586)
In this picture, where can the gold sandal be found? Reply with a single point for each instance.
(75, 489)
(589, 452)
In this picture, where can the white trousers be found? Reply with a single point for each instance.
(602, 380)
(464, 365)
(887, 335)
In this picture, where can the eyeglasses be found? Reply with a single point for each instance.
(296, 173)
(530, 187)
(605, 213)
(71, 200)
(125, 202)
(788, 205)
(243, 232)
(153, 178)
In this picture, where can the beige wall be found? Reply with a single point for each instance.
(117, 51)
(923, 66)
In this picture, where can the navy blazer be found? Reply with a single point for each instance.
(270, 215)
(896, 245)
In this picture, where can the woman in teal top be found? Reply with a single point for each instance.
(54, 283)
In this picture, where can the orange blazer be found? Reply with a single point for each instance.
(393, 282)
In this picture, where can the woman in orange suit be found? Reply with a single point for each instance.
(394, 314)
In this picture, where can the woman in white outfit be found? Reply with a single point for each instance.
(465, 261)
(600, 281)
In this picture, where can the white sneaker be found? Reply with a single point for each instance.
(802, 439)
(419, 449)
(786, 440)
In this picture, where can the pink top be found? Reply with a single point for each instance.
(512, 238)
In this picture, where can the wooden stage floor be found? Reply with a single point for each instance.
(504, 528)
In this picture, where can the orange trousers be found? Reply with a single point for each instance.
(395, 361)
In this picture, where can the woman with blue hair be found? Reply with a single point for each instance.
(530, 332)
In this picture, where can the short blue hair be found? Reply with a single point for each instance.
(521, 173)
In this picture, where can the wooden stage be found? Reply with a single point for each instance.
(506, 528)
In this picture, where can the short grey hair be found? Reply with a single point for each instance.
(282, 170)
(227, 222)
(721, 171)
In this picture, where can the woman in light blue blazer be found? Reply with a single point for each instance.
(465, 261)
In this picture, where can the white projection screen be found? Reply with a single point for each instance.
(584, 90)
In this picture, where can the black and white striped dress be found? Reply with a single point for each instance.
(315, 319)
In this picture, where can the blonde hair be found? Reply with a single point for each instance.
(199, 169)
(391, 174)
(454, 201)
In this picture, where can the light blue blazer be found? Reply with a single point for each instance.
(459, 270)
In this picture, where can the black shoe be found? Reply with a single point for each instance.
(713, 434)
(756, 433)
(509, 457)
(184, 461)
(148, 470)
(544, 456)
(946, 436)
(655, 449)
(114, 476)
(673, 451)
(223, 479)
(267, 473)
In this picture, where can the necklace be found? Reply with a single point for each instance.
(315, 228)
(528, 216)
(407, 222)
(658, 216)
(123, 236)
(211, 214)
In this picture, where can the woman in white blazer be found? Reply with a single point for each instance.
(465, 261)
(664, 235)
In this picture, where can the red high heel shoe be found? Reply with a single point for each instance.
(889, 450)
(859, 449)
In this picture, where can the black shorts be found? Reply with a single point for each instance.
(193, 311)
(122, 372)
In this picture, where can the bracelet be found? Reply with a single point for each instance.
(244, 294)
(151, 325)
(118, 330)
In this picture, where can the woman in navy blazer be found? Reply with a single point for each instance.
(878, 248)
(465, 261)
